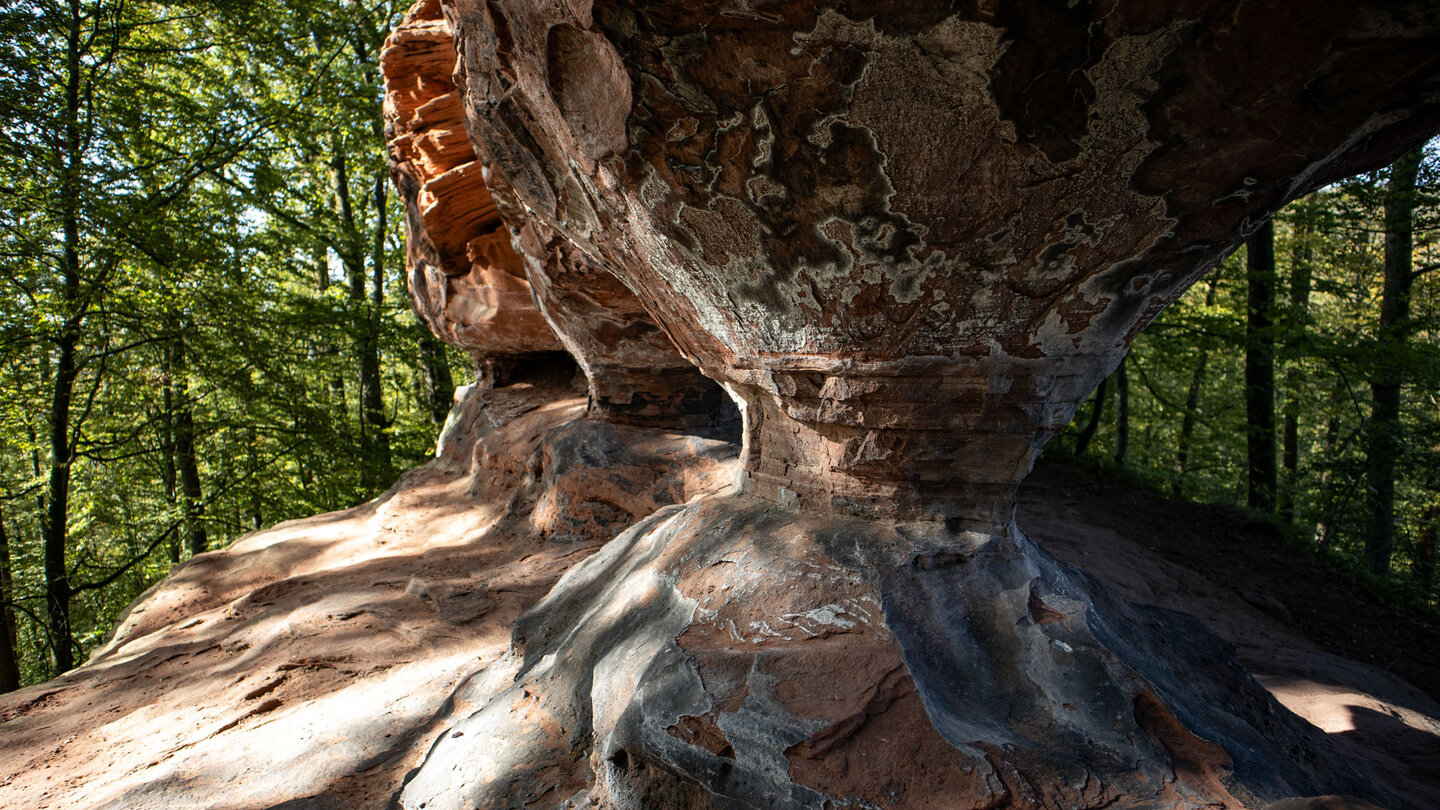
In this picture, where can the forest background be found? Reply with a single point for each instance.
(205, 329)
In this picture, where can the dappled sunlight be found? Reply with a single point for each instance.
(320, 651)
(326, 654)
(336, 733)
(1333, 708)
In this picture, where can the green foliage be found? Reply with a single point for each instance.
(1330, 256)
(192, 246)
(195, 146)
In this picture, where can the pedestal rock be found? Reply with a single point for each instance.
(909, 238)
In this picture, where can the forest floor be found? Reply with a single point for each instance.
(312, 665)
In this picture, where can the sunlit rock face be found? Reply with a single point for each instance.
(474, 288)
(913, 240)
(465, 280)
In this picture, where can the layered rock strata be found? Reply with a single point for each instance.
(474, 288)
(465, 281)
(910, 239)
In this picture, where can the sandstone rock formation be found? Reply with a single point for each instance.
(913, 240)
(909, 240)
(465, 281)
(476, 291)
(313, 664)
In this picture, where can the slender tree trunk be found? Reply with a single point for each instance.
(1097, 406)
(9, 653)
(54, 526)
(1187, 423)
(192, 495)
(322, 284)
(1425, 549)
(1300, 283)
(168, 471)
(372, 394)
(364, 327)
(1325, 531)
(1192, 403)
(1260, 370)
(1122, 412)
(1383, 437)
(438, 389)
(252, 470)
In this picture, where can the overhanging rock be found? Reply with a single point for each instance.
(910, 240)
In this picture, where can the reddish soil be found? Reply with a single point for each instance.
(1329, 650)
(1253, 558)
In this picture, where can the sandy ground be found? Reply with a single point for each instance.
(313, 664)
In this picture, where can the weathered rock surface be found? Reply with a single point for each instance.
(394, 618)
(476, 291)
(313, 664)
(735, 653)
(910, 239)
(634, 372)
(1246, 584)
(465, 280)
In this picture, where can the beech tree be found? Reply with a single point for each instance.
(1260, 369)
(168, 355)
(1384, 439)
(1354, 408)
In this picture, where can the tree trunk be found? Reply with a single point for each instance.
(1097, 406)
(54, 526)
(9, 655)
(1300, 283)
(321, 260)
(1192, 404)
(192, 495)
(55, 521)
(1425, 549)
(372, 394)
(1383, 438)
(438, 385)
(1325, 530)
(1260, 370)
(168, 471)
(1122, 413)
(252, 470)
(364, 326)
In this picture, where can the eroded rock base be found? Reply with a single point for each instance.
(313, 664)
(733, 653)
